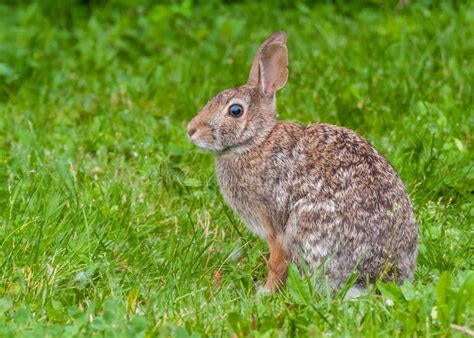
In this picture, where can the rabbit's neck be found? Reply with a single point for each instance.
(249, 146)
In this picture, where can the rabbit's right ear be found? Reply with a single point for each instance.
(270, 65)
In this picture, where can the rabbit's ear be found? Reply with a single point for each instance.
(273, 68)
(255, 76)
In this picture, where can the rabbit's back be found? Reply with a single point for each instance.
(348, 208)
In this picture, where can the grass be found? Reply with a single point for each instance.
(111, 222)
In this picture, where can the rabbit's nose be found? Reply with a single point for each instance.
(191, 132)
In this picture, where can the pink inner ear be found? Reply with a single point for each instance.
(273, 67)
(254, 75)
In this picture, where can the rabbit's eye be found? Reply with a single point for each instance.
(236, 110)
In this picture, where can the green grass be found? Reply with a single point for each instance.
(111, 222)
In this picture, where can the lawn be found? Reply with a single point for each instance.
(111, 222)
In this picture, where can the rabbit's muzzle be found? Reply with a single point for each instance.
(201, 134)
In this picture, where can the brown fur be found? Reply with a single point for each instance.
(320, 195)
(277, 265)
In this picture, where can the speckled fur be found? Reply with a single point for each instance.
(321, 195)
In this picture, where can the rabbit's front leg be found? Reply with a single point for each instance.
(277, 265)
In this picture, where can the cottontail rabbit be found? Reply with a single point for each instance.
(320, 195)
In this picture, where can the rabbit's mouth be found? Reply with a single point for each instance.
(206, 146)
(205, 143)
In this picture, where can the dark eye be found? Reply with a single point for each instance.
(236, 110)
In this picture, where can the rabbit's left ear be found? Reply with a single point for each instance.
(270, 66)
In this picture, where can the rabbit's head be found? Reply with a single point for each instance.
(239, 118)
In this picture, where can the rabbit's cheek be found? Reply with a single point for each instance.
(227, 134)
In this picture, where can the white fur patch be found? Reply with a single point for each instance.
(254, 226)
(328, 206)
(320, 250)
(355, 292)
(306, 207)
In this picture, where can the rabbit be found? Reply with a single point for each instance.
(320, 195)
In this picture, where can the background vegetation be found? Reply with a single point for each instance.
(111, 222)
